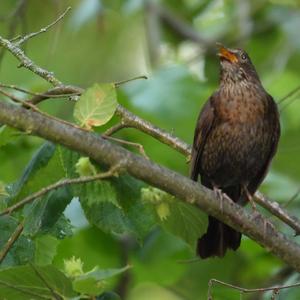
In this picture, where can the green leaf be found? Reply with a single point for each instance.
(8, 134)
(45, 249)
(92, 283)
(24, 283)
(179, 218)
(44, 168)
(185, 221)
(22, 250)
(115, 206)
(43, 214)
(96, 106)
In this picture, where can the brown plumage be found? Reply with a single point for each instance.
(235, 140)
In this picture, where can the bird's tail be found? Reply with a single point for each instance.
(218, 238)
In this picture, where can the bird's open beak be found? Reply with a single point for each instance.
(227, 54)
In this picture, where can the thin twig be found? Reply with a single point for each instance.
(276, 210)
(292, 199)
(137, 145)
(111, 172)
(44, 281)
(244, 290)
(59, 90)
(28, 63)
(25, 38)
(118, 83)
(28, 104)
(133, 121)
(17, 100)
(11, 242)
(290, 94)
(110, 131)
(45, 96)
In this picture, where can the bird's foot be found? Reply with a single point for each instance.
(220, 195)
(267, 223)
(250, 198)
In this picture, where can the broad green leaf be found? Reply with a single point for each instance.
(96, 105)
(44, 168)
(43, 214)
(181, 219)
(45, 249)
(8, 134)
(23, 249)
(185, 221)
(24, 283)
(115, 206)
(93, 282)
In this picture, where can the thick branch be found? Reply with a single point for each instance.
(128, 119)
(102, 151)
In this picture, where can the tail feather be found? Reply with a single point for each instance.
(218, 238)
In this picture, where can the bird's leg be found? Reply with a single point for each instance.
(220, 195)
(250, 198)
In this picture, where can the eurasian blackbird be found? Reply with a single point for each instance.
(235, 140)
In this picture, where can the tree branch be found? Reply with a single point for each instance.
(103, 151)
(129, 120)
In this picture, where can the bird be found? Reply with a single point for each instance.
(235, 139)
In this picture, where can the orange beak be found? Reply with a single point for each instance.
(227, 54)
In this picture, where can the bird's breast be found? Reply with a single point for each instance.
(239, 143)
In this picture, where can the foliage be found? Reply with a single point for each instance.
(130, 223)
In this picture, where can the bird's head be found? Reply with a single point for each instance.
(236, 65)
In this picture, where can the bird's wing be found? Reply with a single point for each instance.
(273, 117)
(204, 125)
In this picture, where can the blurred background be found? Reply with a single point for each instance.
(173, 44)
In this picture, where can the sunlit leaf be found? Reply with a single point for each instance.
(93, 282)
(96, 106)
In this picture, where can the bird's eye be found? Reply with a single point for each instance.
(243, 56)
